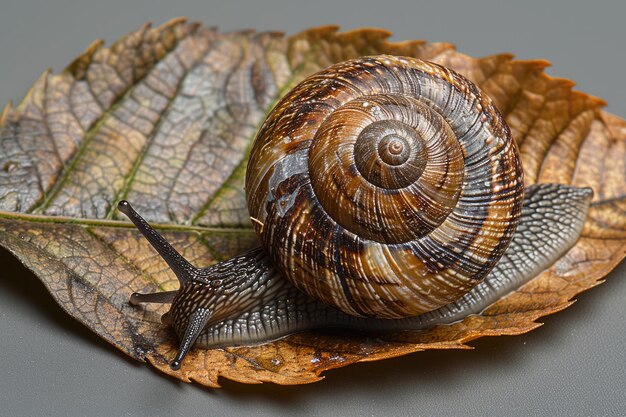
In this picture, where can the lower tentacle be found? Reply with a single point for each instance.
(165, 297)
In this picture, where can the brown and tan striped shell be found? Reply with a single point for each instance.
(385, 186)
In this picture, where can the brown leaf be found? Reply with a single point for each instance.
(165, 117)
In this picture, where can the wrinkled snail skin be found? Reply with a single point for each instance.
(387, 195)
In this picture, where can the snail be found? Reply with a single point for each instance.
(387, 194)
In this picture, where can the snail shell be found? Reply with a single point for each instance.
(387, 194)
(396, 181)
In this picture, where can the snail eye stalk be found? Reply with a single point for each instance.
(185, 272)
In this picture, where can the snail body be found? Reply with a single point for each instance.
(387, 194)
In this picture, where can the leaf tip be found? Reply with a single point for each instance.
(8, 109)
(78, 67)
(317, 32)
(541, 63)
(600, 102)
(372, 32)
(176, 22)
(180, 20)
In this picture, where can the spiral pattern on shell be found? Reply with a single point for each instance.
(385, 186)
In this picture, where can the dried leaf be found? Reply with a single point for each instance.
(165, 117)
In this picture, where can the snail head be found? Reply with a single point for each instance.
(189, 313)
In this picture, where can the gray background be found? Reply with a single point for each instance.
(574, 365)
